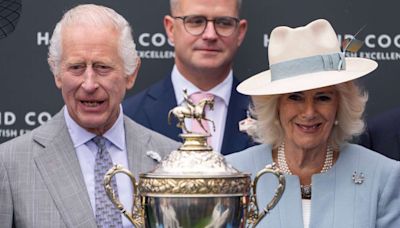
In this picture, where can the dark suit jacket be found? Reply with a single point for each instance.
(151, 106)
(383, 134)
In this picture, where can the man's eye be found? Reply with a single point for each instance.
(102, 69)
(77, 69)
(195, 20)
(224, 22)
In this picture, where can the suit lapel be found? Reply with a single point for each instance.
(59, 167)
(163, 99)
(137, 144)
(332, 193)
(288, 212)
(133, 149)
(397, 147)
(323, 199)
(290, 207)
(234, 140)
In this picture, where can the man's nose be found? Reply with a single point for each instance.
(210, 31)
(90, 83)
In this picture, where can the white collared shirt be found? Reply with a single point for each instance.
(222, 93)
(86, 151)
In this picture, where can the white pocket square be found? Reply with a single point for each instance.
(154, 155)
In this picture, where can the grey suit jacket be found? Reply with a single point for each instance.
(41, 184)
(337, 201)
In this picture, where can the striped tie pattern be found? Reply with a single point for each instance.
(107, 215)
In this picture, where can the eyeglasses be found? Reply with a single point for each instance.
(196, 25)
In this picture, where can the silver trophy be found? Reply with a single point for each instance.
(194, 186)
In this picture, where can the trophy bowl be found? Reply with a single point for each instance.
(194, 186)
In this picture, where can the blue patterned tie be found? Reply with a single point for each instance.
(107, 215)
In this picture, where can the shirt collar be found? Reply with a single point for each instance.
(222, 90)
(79, 135)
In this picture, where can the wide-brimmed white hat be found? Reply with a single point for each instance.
(305, 58)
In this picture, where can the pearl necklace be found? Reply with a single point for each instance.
(283, 166)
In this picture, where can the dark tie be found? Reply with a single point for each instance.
(107, 215)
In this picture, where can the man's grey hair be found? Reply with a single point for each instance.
(173, 4)
(96, 16)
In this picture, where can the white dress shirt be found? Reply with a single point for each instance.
(86, 151)
(222, 94)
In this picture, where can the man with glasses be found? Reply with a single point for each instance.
(206, 35)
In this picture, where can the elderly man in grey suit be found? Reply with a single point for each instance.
(51, 177)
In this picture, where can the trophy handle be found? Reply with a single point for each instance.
(137, 215)
(254, 215)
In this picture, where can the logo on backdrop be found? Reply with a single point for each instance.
(154, 46)
(10, 12)
(382, 47)
(149, 45)
(10, 123)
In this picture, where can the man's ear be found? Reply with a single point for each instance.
(58, 81)
(242, 31)
(169, 27)
(132, 77)
(57, 78)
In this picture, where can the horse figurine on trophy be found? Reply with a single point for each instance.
(197, 112)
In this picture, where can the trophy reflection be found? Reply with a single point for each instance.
(194, 186)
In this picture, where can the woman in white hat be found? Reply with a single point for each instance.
(307, 105)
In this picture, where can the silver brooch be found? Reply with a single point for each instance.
(358, 178)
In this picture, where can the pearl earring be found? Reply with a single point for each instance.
(336, 122)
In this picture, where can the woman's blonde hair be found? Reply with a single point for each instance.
(352, 100)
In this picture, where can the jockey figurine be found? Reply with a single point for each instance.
(196, 112)
(187, 99)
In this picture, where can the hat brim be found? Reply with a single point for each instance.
(261, 84)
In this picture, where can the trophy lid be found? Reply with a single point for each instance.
(194, 168)
(194, 173)
(198, 160)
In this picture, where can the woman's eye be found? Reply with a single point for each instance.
(295, 97)
(324, 98)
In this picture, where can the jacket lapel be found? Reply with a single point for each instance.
(290, 207)
(397, 156)
(137, 144)
(234, 140)
(59, 167)
(288, 212)
(323, 199)
(331, 195)
(133, 148)
(162, 100)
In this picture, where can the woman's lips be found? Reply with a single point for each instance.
(309, 128)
